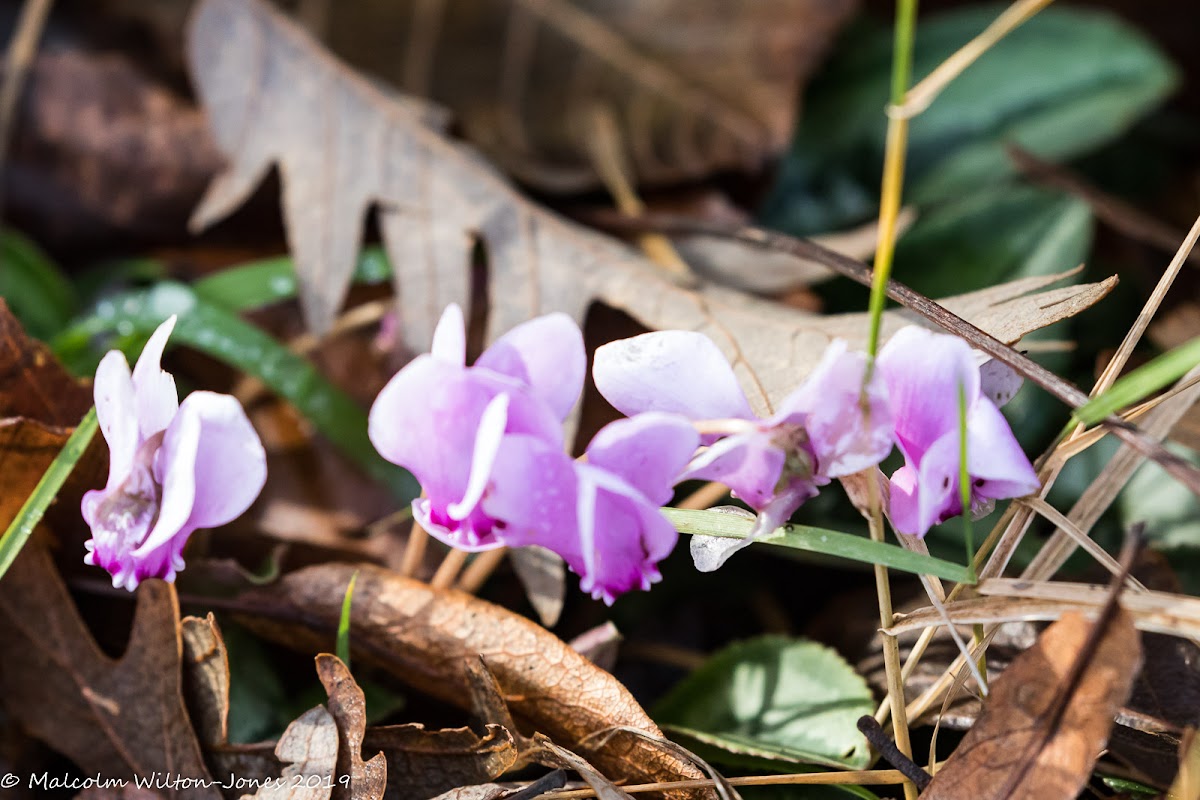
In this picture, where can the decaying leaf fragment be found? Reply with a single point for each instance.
(425, 637)
(426, 763)
(274, 97)
(309, 747)
(122, 717)
(349, 710)
(1010, 736)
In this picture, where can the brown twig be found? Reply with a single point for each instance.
(17, 61)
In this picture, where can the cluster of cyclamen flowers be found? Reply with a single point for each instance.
(486, 443)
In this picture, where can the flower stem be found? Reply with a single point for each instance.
(448, 570)
(705, 497)
(480, 569)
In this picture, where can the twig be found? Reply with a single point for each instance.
(870, 777)
(887, 748)
(17, 61)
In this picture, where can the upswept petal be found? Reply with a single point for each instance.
(998, 466)
(231, 465)
(547, 354)
(117, 415)
(649, 451)
(923, 371)
(154, 390)
(928, 494)
(532, 493)
(750, 464)
(679, 372)
(487, 441)
(175, 471)
(450, 337)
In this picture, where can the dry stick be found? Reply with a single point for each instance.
(479, 570)
(1057, 387)
(870, 777)
(17, 61)
(1119, 215)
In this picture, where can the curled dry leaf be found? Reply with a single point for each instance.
(1013, 736)
(349, 710)
(425, 637)
(425, 763)
(122, 717)
(309, 747)
(695, 86)
(604, 788)
(274, 97)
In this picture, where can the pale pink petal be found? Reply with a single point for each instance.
(116, 412)
(175, 471)
(828, 404)
(998, 381)
(933, 497)
(154, 390)
(450, 337)
(532, 495)
(678, 372)
(748, 463)
(487, 442)
(998, 466)
(923, 371)
(650, 451)
(547, 354)
(231, 465)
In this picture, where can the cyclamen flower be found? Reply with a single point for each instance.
(773, 464)
(173, 468)
(923, 372)
(601, 514)
(444, 421)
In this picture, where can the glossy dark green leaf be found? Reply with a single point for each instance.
(34, 287)
(774, 698)
(273, 280)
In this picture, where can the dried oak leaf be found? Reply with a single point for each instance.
(349, 709)
(122, 717)
(695, 87)
(129, 791)
(426, 637)
(309, 747)
(426, 763)
(274, 97)
(1010, 736)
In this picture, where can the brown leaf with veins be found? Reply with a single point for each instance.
(425, 636)
(349, 709)
(426, 763)
(1010, 736)
(309, 747)
(697, 86)
(121, 717)
(274, 97)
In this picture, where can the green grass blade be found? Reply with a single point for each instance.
(223, 335)
(45, 491)
(343, 631)
(1138, 384)
(819, 540)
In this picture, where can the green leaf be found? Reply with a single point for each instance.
(774, 698)
(1062, 84)
(993, 236)
(46, 490)
(224, 336)
(818, 540)
(273, 280)
(34, 286)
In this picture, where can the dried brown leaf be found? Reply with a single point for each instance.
(604, 788)
(349, 710)
(309, 747)
(1012, 735)
(426, 636)
(697, 87)
(129, 791)
(426, 763)
(275, 98)
(122, 717)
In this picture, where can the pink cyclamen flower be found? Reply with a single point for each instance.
(444, 421)
(923, 372)
(773, 464)
(601, 514)
(173, 468)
